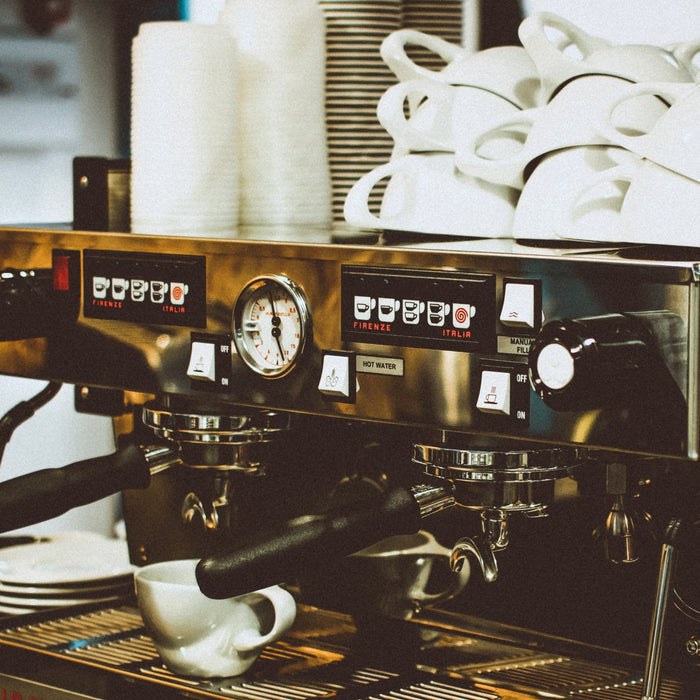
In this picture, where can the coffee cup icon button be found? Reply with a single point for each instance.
(437, 310)
(119, 287)
(388, 308)
(158, 291)
(100, 285)
(138, 290)
(411, 311)
(364, 307)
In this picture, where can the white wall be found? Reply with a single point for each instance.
(40, 133)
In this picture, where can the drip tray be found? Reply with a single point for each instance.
(104, 652)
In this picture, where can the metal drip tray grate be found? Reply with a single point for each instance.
(322, 657)
(562, 677)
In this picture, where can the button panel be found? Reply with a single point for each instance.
(145, 287)
(419, 308)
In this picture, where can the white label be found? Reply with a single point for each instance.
(380, 365)
(514, 345)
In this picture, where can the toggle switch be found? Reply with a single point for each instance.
(518, 310)
(494, 392)
(338, 377)
(202, 361)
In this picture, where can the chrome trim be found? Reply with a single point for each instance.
(214, 428)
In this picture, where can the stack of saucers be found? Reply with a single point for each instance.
(73, 569)
(356, 77)
(184, 144)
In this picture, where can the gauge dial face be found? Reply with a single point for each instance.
(271, 322)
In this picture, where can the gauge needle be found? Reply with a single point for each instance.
(276, 321)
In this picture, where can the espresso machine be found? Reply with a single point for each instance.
(286, 398)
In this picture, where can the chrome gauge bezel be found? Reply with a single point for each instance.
(243, 341)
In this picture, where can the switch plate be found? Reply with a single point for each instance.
(493, 416)
(202, 361)
(338, 380)
(209, 367)
(521, 305)
(494, 393)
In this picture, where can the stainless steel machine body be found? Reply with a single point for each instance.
(422, 372)
(529, 380)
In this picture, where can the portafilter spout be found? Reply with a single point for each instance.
(496, 482)
(228, 444)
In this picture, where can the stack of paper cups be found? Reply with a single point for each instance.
(184, 139)
(285, 175)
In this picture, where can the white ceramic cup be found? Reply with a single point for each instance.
(673, 140)
(561, 51)
(198, 636)
(390, 580)
(554, 185)
(426, 194)
(504, 70)
(570, 119)
(447, 114)
(658, 206)
(393, 575)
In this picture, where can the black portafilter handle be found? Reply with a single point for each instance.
(47, 493)
(304, 543)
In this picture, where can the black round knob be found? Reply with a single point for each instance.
(595, 362)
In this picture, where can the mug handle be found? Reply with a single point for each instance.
(548, 56)
(393, 53)
(669, 92)
(356, 208)
(623, 172)
(458, 580)
(504, 171)
(285, 608)
(685, 53)
(391, 115)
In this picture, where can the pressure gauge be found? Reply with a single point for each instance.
(271, 325)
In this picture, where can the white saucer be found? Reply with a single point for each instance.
(63, 562)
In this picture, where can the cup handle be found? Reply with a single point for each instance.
(391, 115)
(619, 173)
(548, 56)
(393, 53)
(356, 208)
(669, 92)
(458, 580)
(285, 608)
(685, 53)
(503, 171)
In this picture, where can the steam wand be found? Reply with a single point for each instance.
(664, 587)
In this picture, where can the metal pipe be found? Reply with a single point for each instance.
(664, 587)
